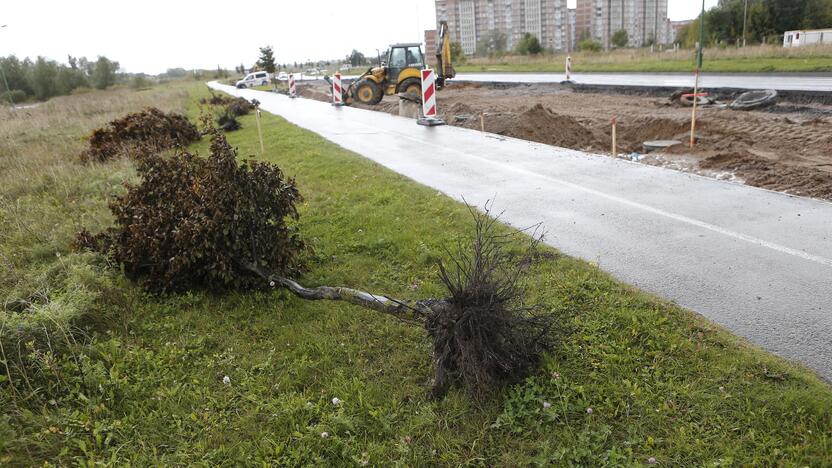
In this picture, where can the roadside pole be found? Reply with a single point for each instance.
(259, 127)
(698, 70)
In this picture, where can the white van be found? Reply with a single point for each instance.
(260, 78)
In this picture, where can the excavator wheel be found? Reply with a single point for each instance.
(367, 92)
(411, 86)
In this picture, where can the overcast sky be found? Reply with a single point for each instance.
(153, 35)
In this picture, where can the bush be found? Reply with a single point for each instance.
(621, 38)
(228, 122)
(140, 82)
(529, 45)
(239, 106)
(234, 107)
(191, 220)
(17, 96)
(588, 45)
(148, 131)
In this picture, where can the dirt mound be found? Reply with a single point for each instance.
(772, 175)
(458, 108)
(148, 130)
(634, 132)
(537, 124)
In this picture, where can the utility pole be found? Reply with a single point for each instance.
(3, 74)
(744, 21)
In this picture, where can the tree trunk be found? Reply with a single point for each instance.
(409, 311)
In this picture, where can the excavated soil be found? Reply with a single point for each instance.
(786, 148)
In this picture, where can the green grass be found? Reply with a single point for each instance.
(754, 59)
(661, 382)
(739, 65)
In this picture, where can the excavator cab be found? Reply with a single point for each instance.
(401, 72)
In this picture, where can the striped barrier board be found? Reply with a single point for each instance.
(293, 92)
(337, 91)
(429, 117)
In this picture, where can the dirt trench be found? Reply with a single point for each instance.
(786, 148)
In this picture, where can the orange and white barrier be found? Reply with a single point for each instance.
(337, 92)
(293, 92)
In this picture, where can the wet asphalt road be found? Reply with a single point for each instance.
(756, 262)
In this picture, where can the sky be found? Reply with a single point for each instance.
(154, 35)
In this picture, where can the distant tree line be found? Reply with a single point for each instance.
(43, 78)
(767, 21)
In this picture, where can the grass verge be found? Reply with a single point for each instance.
(636, 378)
(757, 59)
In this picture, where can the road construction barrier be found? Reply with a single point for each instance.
(337, 92)
(293, 92)
(429, 117)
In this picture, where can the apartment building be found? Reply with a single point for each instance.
(471, 20)
(644, 20)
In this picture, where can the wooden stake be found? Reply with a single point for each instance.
(693, 115)
(482, 122)
(259, 130)
(614, 146)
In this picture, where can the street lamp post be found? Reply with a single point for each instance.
(5, 82)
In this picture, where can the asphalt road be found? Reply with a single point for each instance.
(790, 82)
(756, 262)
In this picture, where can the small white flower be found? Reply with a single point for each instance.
(324, 434)
(271, 283)
(651, 461)
(226, 380)
(589, 411)
(546, 405)
(336, 401)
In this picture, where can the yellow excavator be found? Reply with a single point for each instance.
(401, 73)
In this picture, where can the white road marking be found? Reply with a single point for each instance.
(641, 206)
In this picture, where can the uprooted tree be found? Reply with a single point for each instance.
(214, 223)
(233, 107)
(139, 133)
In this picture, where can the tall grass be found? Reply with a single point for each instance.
(46, 196)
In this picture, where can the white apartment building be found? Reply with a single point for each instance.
(644, 20)
(471, 20)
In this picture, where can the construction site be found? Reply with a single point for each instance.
(785, 147)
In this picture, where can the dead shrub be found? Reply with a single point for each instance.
(228, 123)
(486, 335)
(189, 218)
(137, 134)
(234, 107)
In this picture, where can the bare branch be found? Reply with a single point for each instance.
(409, 311)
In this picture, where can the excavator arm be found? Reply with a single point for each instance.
(444, 60)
